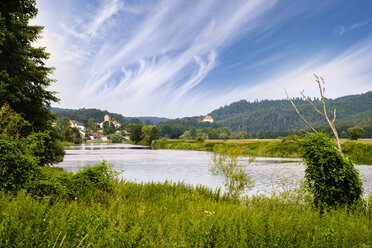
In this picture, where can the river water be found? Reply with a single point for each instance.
(140, 164)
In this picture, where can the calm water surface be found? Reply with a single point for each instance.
(191, 167)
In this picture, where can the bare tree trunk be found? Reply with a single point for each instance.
(331, 124)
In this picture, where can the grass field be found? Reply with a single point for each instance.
(176, 215)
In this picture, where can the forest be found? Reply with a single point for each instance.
(278, 115)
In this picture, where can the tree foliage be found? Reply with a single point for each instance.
(23, 74)
(225, 162)
(355, 132)
(17, 165)
(331, 178)
(135, 133)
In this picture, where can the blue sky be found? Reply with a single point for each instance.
(183, 58)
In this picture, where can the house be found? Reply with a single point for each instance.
(117, 124)
(207, 119)
(97, 137)
(80, 126)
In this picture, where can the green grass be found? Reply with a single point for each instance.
(359, 152)
(176, 215)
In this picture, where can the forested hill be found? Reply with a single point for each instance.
(97, 115)
(278, 115)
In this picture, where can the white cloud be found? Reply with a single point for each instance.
(150, 58)
(348, 73)
(343, 29)
(138, 62)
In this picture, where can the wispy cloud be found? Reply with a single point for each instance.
(343, 29)
(154, 57)
(348, 72)
(158, 59)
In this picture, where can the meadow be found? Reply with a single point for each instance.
(177, 215)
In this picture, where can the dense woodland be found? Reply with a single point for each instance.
(278, 115)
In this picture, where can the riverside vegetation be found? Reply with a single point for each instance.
(123, 214)
(360, 152)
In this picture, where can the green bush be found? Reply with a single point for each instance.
(100, 177)
(331, 178)
(225, 162)
(17, 166)
(51, 182)
(45, 147)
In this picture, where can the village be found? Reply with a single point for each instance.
(94, 131)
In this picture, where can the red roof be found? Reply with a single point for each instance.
(208, 118)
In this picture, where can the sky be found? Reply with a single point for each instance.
(174, 58)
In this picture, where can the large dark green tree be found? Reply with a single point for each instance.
(24, 77)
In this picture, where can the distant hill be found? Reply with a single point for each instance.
(97, 115)
(278, 115)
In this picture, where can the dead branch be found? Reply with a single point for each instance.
(298, 112)
(312, 104)
(330, 123)
(321, 84)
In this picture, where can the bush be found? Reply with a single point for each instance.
(51, 182)
(225, 163)
(45, 147)
(331, 178)
(17, 166)
(100, 177)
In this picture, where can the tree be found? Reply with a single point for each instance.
(116, 138)
(108, 128)
(135, 133)
(23, 74)
(225, 163)
(330, 176)
(148, 134)
(154, 134)
(355, 132)
(261, 134)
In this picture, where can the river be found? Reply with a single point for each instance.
(140, 164)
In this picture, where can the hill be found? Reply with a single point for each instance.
(97, 115)
(278, 115)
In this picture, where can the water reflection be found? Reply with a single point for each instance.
(141, 164)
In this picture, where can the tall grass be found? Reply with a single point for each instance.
(177, 215)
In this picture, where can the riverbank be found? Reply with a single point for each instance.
(360, 152)
(176, 215)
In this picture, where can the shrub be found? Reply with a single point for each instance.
(225, 163)
(17, 166)
(51, 182)
(99, 177)
(45, 147)
(331, 178)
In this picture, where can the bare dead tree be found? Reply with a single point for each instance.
(323, 114)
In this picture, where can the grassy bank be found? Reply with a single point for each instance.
(166, 215)
(359, 151)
